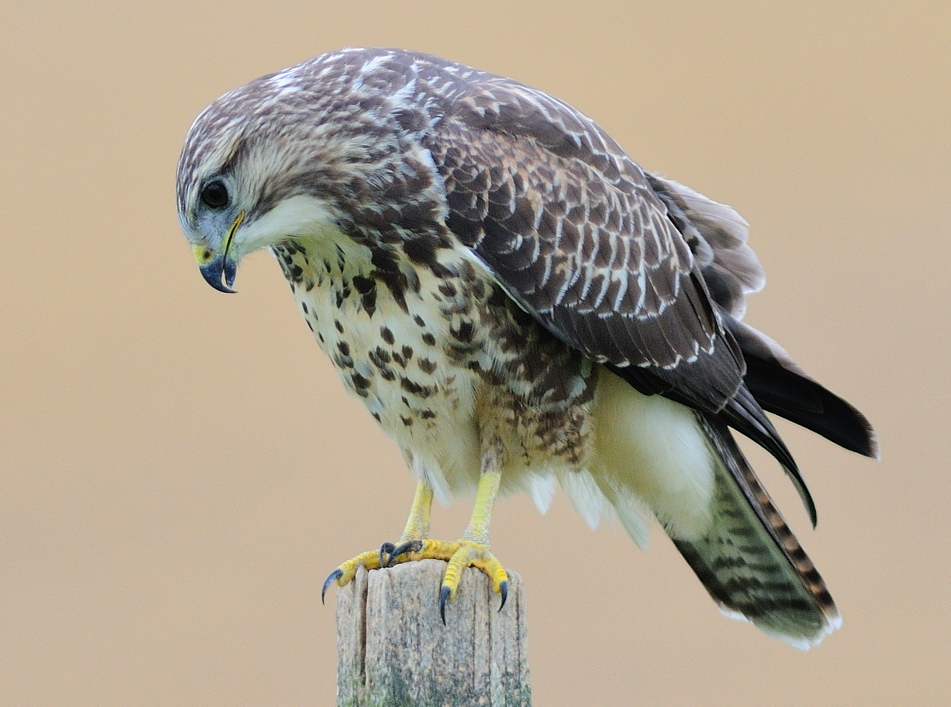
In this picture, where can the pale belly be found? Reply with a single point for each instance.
(394, 359)
(446, 386)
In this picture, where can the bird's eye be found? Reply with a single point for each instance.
(214, 195)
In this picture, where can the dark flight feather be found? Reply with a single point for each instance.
(782, 387)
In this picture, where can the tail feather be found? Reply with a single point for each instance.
(780, 386)
(749, 561)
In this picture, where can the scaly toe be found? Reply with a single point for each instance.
(345, 573)
(466, 553)
(407, 548)
(458, 555)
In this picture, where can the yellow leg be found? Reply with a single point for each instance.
(417, 525)
(472, 550)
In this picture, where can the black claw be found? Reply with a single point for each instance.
(504, 591)
(334, 576)
(409, 546)
(386, 554)
(443, 597)
(389, 552)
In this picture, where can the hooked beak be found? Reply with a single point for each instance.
(213, 265)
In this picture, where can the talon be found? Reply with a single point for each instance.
(458, 555)
(405, 548)
(387, 554)
(443, 597)
(333, 577)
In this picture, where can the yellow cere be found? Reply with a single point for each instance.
(203, 254)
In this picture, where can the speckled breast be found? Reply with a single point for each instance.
(445, 362)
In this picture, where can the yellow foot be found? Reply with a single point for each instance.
(458, 554)
(387, 556)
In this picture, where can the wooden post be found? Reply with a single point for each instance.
(393, 649)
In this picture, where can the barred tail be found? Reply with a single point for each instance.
(750, 561)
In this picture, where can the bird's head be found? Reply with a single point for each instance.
(285, 156)
(248, 178)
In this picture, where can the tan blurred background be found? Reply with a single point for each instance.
(180, 469)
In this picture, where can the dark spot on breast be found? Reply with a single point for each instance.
(364, 285)
(427, 365)
(303, 307)
(427, 414)
(408, 421)
(407, 353)
(422, 251)
(338, 325)
(376, 416)
(380, 356)
(343, 347)
(417, 389)
(464, 332)
(381, 359)
(387, 335)
(361, 383)
(368, 301)
(448, 289)
(429, 339)
(367, 289)
(419, 320)
(388, 272)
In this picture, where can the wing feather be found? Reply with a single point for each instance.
(573, 230)
(638, 272)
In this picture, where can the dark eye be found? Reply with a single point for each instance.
(214, 195)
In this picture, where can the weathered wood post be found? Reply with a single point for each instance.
(393, 649)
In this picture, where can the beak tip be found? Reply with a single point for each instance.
(230, 270)
(213, 271)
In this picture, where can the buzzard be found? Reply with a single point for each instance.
(519, 305)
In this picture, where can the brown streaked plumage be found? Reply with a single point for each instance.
(518, 303)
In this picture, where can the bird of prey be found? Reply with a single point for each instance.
(519, 306)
